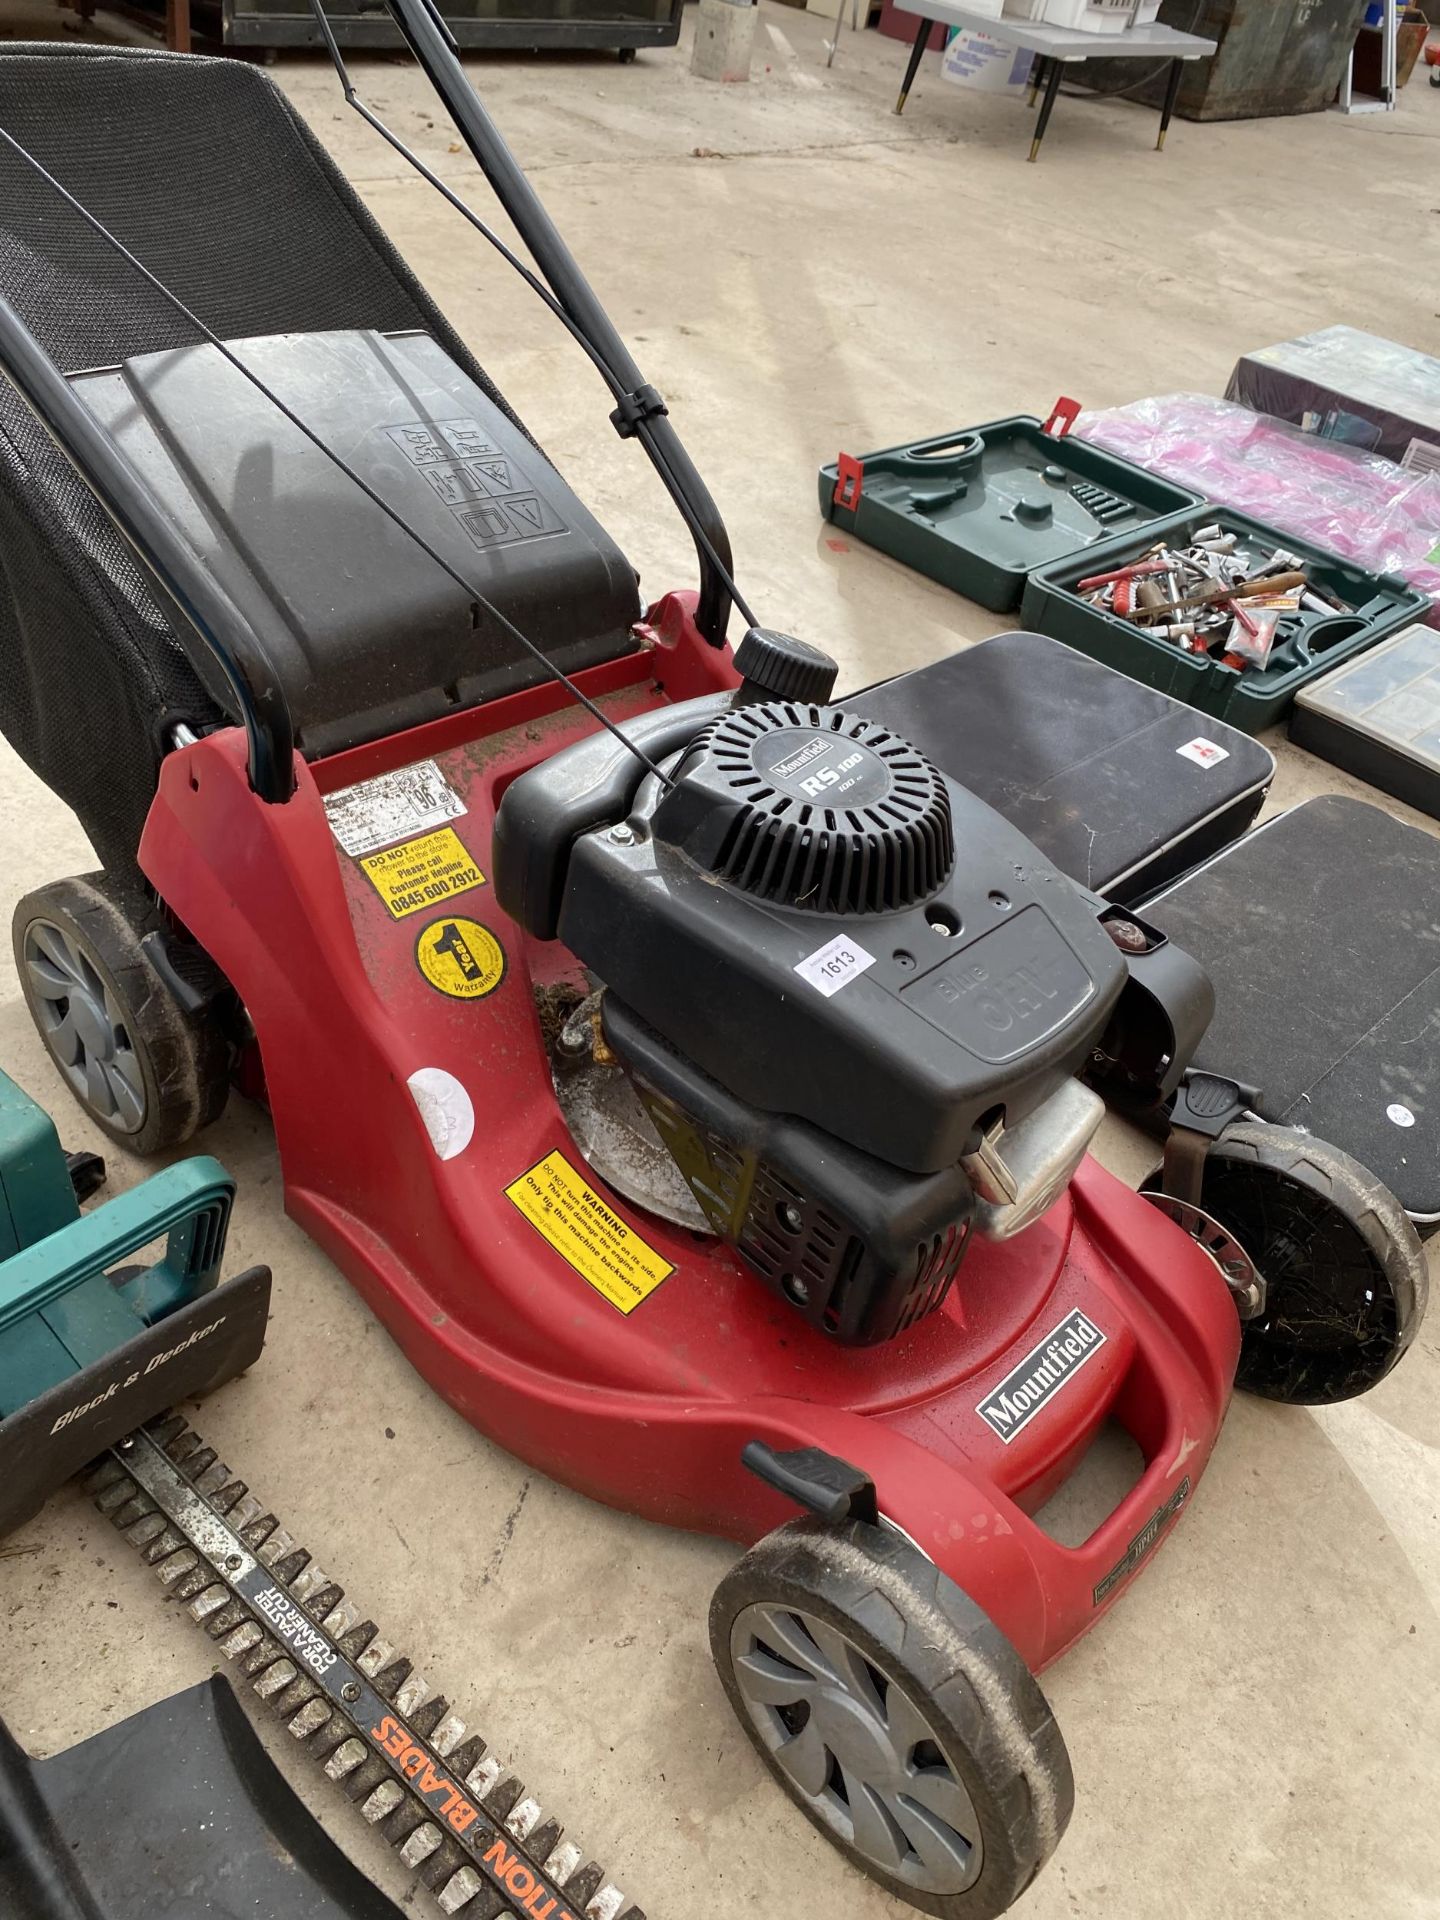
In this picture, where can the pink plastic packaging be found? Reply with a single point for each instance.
(1384, 517)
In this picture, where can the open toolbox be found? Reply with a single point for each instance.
(978, 509)
(1307, 643)
(1379, 718)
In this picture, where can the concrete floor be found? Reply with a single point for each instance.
(1253, 1731)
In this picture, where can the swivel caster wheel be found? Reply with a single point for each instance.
(895, 1714)
(1342, 1274)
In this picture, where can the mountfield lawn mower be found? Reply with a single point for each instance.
(686, 1070)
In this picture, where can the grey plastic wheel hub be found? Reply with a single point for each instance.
(84, 1027)
(857, 1748)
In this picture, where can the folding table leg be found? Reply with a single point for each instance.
(921, 38)
(1047, 106)
(1177, 68)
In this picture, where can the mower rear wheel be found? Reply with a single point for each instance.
(1344, 1272)
(149, 1072)
(895, 1714)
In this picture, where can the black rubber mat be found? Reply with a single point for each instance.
(1321, 932)
(1121, 787)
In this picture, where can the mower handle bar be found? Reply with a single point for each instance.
(226, 635)
(430, 41)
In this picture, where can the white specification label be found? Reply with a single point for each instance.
(828, 968)
(1204, 753)
(393, 806)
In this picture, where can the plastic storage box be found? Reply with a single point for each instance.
(977, 509)
(1249, 699)
(1379, 718)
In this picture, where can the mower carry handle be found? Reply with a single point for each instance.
(224, 634)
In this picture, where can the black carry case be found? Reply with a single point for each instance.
(177, 1813)
(1321, 934)
(1121, 787)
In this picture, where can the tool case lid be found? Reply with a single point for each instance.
(978, 508)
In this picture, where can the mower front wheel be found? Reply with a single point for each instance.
(895, 1714)
(148, 1071)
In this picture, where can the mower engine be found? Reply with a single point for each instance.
(851, 998)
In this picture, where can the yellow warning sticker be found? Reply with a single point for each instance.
(461, 958)
(595, 1240)
(421, 873)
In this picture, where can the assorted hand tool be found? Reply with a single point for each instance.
(1215, 597)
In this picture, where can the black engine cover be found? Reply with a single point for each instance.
(859, 1248)
(896, 1029)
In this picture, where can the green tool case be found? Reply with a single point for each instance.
(1250, 700)
(979, 509)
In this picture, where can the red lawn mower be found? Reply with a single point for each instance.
(683, 1067)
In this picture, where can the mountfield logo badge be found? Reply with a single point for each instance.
(1040, 1375)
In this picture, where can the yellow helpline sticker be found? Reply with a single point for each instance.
(583, 1230)
(460, 958)
(421, 873)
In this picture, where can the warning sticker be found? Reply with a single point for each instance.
(422, 873)
(393, 806)
(1205, 753)
(460, 958)
(581, 1228)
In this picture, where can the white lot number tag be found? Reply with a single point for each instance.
(828, 968)
(393, 806)
(1204, 753)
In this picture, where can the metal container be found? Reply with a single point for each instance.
(1275, 57)
(522, 25)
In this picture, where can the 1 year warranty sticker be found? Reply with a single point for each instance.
(590, 1235)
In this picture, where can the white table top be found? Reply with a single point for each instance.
(1067, 43)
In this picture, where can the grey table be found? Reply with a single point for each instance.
(1057, 48)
